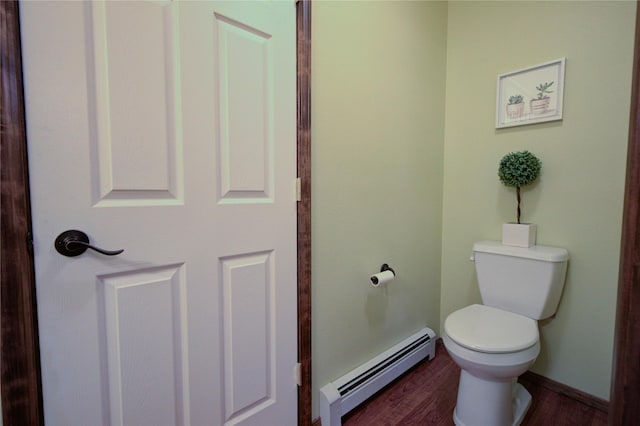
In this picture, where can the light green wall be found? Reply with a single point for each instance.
(577, 203)
(379, 128)
(378, 79)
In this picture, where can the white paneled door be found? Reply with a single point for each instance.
(166, 129)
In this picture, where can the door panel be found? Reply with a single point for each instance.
(144, 327)
(135, 102)
(166, 129)
(248, 331)
(245, 61)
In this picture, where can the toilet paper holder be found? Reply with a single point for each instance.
(384, 267)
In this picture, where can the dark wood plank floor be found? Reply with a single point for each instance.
(427, 396)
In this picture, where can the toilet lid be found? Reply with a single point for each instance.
(486, 329)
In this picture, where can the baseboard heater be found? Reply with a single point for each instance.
(343, 395)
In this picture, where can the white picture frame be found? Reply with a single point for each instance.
(531, 95)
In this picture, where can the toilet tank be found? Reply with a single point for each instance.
(526, 281)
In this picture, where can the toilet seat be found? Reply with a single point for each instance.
(485, 329)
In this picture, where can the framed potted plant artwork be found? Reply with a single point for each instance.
(531, 95)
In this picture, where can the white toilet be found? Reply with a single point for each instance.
(495, 342)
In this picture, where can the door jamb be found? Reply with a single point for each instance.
(624, 408)
(303, 30)
(19, 350)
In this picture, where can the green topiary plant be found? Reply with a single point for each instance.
(519, 169)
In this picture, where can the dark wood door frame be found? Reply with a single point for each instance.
(303, 25)
(20, 360)
(19, 364)
(624, 408)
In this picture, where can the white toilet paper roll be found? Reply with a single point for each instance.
(382, 278)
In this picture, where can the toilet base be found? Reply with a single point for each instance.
(501, 404)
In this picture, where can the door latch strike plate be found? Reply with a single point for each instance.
(30, 242)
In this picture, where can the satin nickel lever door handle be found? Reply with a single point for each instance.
(73, 243)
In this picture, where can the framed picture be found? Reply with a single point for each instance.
(531, 95)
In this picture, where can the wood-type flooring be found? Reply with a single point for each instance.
(427, 396)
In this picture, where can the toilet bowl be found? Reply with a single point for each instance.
(492, 348)
(495, 342)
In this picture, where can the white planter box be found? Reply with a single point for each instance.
(519, 234)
